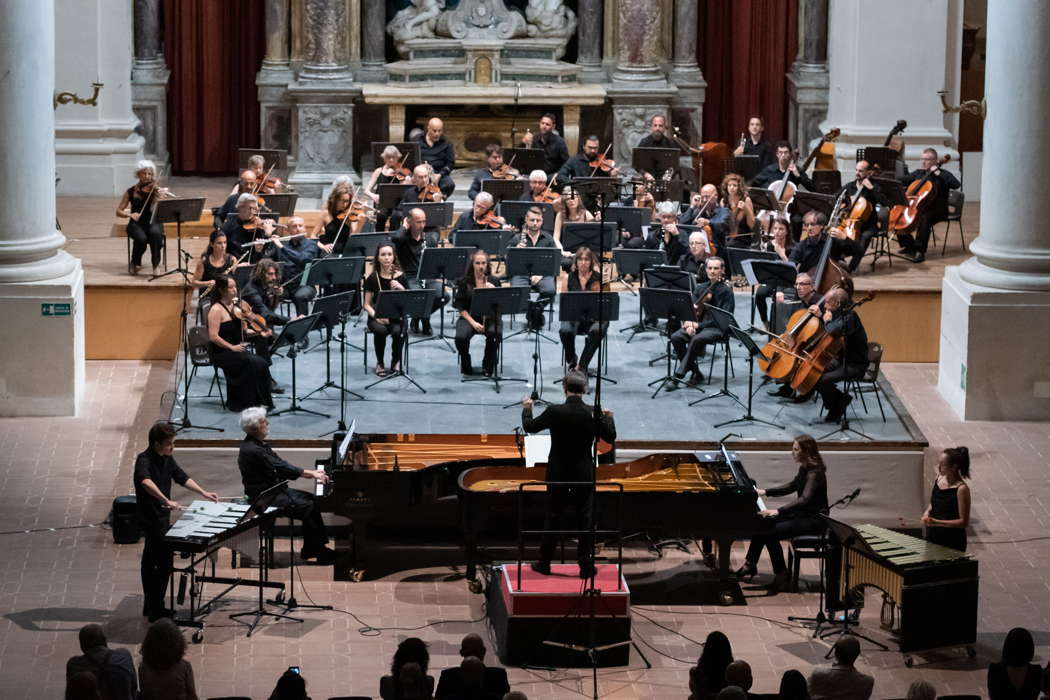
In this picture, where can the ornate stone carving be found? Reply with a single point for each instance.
(417, 21)
(550, 19)
(631, 126)
(325, 132)
(481, 19)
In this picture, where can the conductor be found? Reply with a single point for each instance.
(574, 427)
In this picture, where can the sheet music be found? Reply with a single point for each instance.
(345, 444)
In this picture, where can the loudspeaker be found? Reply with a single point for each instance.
(126, 528)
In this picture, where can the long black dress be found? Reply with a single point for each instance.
(247, 375)
(944, 505)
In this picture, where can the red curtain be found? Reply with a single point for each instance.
(214, 49)
(745, 48)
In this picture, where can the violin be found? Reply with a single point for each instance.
(505, 171)
(490, 220)
(251, 322)
(400, 173)
(256, 223)
(602, 163)
(430, 193)
(548, 196)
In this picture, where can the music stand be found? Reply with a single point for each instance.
(724, 319)
(595, 235)
(281, 204)
(763, 199)
(258, 508)
(178, 210)
(501, 190)
(409, 148)
(333, 309)
(827, 181)
(583, 307)
(655, 161)
(390, 194)
(893, 190)
(744, 166)
(752, 350)
(848, 539)
(439, 214)
(634, 262)
(608, 188)
(668, 277)
(441, 263)
(671, 304)
(496, 302)
(806, 202)
(277, 158)
(403, 303)
(291, 333)
(525, 160)
(772, 272)
(882, 156)
(514, 212)
(365, 244)
(490, 240)
(630, 219)
(526, 262)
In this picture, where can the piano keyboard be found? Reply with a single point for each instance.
(319, 486)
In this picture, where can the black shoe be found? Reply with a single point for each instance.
(695, 378)
(785, 391)
(541, 567)
(322, 554)
(587, 570)
(570, 363)
(415, 325)
(748, 570)
(680, 373)
(835, 414)
(426, 330)
(804, 398)
(275, 388)
(918, 257)
(465, 367)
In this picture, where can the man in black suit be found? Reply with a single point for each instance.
(574, 427)
(451, 684)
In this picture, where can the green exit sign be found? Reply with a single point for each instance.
(56, 309)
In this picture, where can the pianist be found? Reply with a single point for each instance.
(155, 469)
(261, 469)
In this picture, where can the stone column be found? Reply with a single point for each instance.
(275, 109)
(639, 46)
(860, 78)
(589, 40)
(41, 286)
(995, 307)
(807, 81)
(373, 41)
(685, 73)
(149, 81)
(326, 47)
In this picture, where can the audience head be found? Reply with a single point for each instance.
(846, 649)
(411, 650)
(955, 459)
(473, 671)
(163, 646)
(731, 692)
(793, 686)
(1018, 647)
(290, 686)
(738, 673)
(411, 682)
(92, 636)
(472, 645)
(83, 686)
(921, 690)
(717, 654)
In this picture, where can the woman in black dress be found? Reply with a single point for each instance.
(387, 275)
(333, 228)
(477, 274)
(798, 517)
(137, 207)
(948, 515)
(213, 263)
(583, 277)
(247, 375)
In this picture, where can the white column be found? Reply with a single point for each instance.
(96, 146)
(995, 307)
(886, 62)
(42, 356)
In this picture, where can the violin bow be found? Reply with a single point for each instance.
(600, 159)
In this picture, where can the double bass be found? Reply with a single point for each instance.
(904, 219)
(709, 155)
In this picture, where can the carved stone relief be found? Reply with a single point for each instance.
(325, 134)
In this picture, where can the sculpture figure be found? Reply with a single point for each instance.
(417, 21)
(550, 19)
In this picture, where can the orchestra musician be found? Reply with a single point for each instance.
(389, 173)
(948, 514)
(555, 152)
(248, 230)
(331, 224)
(155, 470)
(263, 295)
(480, 216)
(421, 191)
(775, 172)
(841, 321)
(936, 205)
(807, 297)
(533, 236)
(213, 262)
(409, 243)
(666, 236)
(799, 516)
(690, 340)
(754, 145)
(293, 255)
(493, 169)
(657, 136)
(641, 195)
(582, 165)
(257, 167)
(574, 427)
(733, 198)
(584, 276)
(385, 276)
(780, 241)
(435, 150)
(574, 208)
(694, 260)
(136, 205)
(874, 196)
(261, 468)
(245, 185)
(807, 252)
(704, 210)
(478, 274)
(539, 192)
(247, 375)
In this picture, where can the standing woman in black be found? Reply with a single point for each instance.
(478, 274)
(386, 275)
(137, 207)
(948, 515)
(247, 375)
(583, 277)
(797, 517)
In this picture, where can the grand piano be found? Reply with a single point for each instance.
(703, 494)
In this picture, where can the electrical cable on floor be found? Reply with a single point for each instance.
(785, 625)
(55, 529)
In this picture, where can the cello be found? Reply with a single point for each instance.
(819, 352)
(904, 219)
(859, 210)
(784, 190)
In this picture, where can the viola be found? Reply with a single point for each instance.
(251, 322)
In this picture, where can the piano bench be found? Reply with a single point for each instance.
(799, 548)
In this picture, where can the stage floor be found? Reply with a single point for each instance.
(453, 406)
